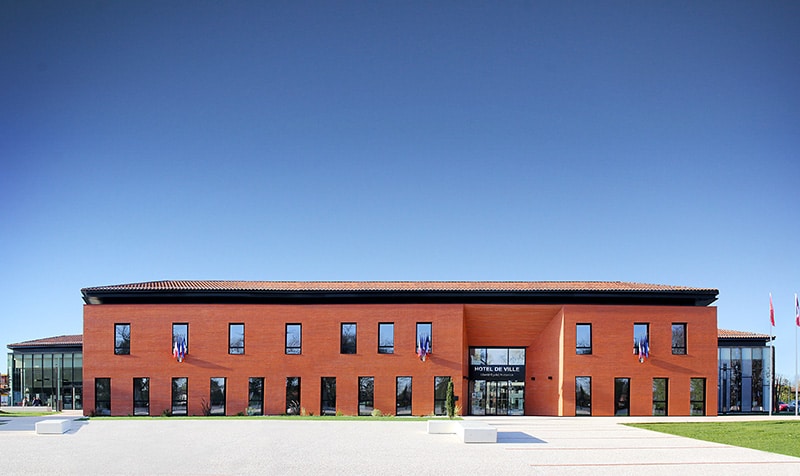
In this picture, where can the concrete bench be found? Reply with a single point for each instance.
(468, 431)
(52, 427)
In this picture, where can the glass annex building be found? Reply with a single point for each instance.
(744, 363)
(49, 371)
(509, 348)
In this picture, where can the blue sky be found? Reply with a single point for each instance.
(634, 141)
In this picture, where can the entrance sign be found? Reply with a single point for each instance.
(497, 372)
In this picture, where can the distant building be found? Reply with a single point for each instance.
(50, 369)
(510, 348)
(744, 363)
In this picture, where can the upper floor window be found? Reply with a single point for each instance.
(347, 342)
(386, 338)
(679, 338)
(180, 341)
(641, 341)
(236, 338)
(122, 339)
(423, 341)
(294, 337)
(583, 339)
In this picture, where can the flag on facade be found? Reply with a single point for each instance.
(771, 311)
(644, 349)
(424, 347)
(179, 350)
(796, 310)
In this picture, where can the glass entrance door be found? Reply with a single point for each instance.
(497, 397)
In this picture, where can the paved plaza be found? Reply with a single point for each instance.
(526, 445)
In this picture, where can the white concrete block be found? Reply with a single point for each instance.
(52, 427)
(476, 432)
(441, 426)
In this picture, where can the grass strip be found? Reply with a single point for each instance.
(780, 437)
(277, 417)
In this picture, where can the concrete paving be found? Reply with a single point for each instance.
(526, 445)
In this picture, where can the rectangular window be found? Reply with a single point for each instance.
(328, 396)
(236, 339)
(622, 396)
(386, 338)
(641, 340)
(403, 400)
(294, 335)
(660, 393)
(679, 339)
(122, 339)
(347, 341)
(292, 395)
(141, 396)
(424, 339)
(216, 404)
(583, 339)
(180, 340)
(255, 396)
(102, 396)
(440, 395)
(583, 396)
(697, 392)
(180, 395)
(366, 395)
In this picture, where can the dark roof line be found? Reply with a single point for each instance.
(307, 292)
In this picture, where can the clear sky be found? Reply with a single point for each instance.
(635, 141)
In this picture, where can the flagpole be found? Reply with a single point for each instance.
(796, 378)
(771, 355)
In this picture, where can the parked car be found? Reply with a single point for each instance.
(782, 407)
(791, 406)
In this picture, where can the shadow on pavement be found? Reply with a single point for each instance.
(516, 437)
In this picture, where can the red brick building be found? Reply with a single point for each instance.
(510, 348)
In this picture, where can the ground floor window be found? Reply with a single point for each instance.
(403, 400)
(366, 395)
(697, 392)
(440, 395)
(660, 394)
(255, 396)
(180, 395)
(583, 396)
(622, 396)
(293, 395)
(217, 396)
(141, 396)
(102, 396)
(328, 396)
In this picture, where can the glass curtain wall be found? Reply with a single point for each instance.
(53, 379)
(743, 379)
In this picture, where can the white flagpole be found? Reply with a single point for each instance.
(771, 356)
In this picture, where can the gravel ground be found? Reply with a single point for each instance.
(527, 445)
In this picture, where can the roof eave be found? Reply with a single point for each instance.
(658, 297)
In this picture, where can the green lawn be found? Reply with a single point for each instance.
(774, 436)
(280, 417)
(24, 414)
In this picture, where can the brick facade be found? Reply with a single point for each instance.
(546, 331)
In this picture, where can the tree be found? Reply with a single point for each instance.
(450, 402)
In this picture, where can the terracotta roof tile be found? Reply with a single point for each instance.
(76, 339)
(389, 286)
(730, 334)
